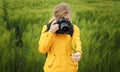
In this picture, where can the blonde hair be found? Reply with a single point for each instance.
(59, 10)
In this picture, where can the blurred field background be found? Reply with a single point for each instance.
(20, 28)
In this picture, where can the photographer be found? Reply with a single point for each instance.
(60, 39)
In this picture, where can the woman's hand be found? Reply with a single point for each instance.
(76, 56)
(54, 27)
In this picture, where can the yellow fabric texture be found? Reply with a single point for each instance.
(59, 48)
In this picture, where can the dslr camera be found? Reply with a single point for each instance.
(65, 27)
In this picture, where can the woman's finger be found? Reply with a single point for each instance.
(76, 58)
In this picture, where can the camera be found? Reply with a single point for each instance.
(65, 27)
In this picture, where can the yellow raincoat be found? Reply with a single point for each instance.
(59, 50)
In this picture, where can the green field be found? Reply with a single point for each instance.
(21, 22)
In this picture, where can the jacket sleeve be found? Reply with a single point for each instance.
(76, 43)
(45, 40)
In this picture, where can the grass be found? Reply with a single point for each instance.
(22, 20)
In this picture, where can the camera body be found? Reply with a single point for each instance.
(65, 27)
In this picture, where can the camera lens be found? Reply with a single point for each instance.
(64, 27)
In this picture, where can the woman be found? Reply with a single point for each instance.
(63, 51)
